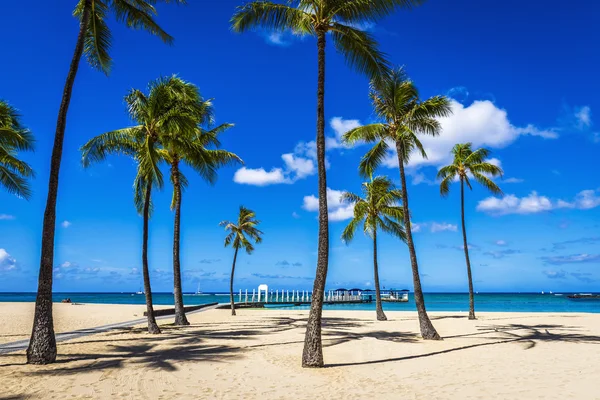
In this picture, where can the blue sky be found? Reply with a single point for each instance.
(522, 77)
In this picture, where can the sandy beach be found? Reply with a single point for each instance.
(16, 319)
(257, 355)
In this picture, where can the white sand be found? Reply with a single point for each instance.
(256, 355)
(16, 319)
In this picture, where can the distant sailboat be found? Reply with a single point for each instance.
(198, 291)
(139, 291)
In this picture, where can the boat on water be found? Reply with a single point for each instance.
(584, 296)
(395, 296)
(387, 295)
(198, 293)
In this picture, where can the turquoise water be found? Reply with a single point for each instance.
(524, 302)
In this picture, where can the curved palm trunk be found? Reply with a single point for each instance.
(380, 314)
(180, 318)
(466, 247)
(152, 326)
(425, 325)
(42, 346)
(312, 355)
(231, 282)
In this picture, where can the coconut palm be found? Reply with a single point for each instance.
(159, 113)
(191, 148)
(94, 39)
(342, 19)
(468, 162)
(241, 235)
(404, 116)
(377, 210)
(14, 137)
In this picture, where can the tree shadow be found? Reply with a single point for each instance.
(146, 354)
(340, 337)
(530, 336)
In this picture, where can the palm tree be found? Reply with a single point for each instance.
(14, 137)
(468, 162)
(241, 235)
(190, 147)
(157, 114)
(379, 210)
(404, 115)
(317, 18)
(94, 40)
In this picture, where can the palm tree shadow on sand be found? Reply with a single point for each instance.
(195, 343)
(527, 335)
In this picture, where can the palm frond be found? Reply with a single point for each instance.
(125, 141)
(13, 182)
(357, 11)
(140, 14)
(366, 133)
(242, 233)
(373, 159)
(360, 49)
(97, 37)
(350, 230)
(271, 16)
(487, 183)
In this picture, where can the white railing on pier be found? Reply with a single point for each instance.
(296, 296)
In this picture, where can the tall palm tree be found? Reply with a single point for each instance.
(379, 210)
(191, 148)
(14, 137)
(404, 116)
(241, 235)
(159, 113)
(468, 162)
(94, 40)
(317, 18)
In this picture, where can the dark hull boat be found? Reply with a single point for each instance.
(584, 296)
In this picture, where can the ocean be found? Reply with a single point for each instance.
(459, 302)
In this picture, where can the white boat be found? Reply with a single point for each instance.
(198, 293)
(140, 291)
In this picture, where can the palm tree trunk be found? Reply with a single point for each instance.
(42, 346)
(180, 318)
(466, 247)
(427, 329)
(231, 282)
(380, 314)
(152, 326)
(312, 355)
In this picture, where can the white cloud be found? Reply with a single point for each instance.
(66, 224)
(586, 199)
(501, 243)
(6, 217)
(295, 215)
(259, 177)
(301, 167)
(276, 38)
(511, 204)
(513, 180)
(434, 227)
(299, 164)
(340, 126)
(441, 227)
(481, 123)
(583, 117)
(534, 203)
(7, 263)
(416, 227)
(337, 211)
